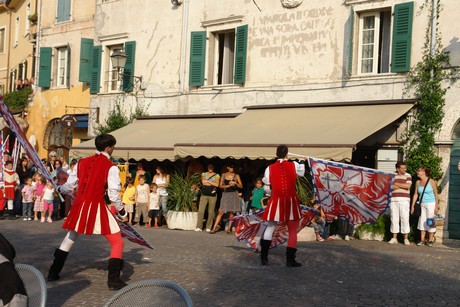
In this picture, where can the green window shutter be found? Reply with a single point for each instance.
(44, 72)
(95, 83)
(197, 58)
(86, 53)
(63, 10)
(67, 9)
(351, 21)
(128, 70)
(240, 54)
(402, 36)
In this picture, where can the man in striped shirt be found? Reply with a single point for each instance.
(400, 204)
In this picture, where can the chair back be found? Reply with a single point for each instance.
(34, 283)
(151, 293)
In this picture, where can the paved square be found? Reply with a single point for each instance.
(217, 270)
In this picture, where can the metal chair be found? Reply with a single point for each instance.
(35, 284)
(151, 293)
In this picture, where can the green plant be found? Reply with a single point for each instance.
(182, 192)
(381, 227)
(118, 119)
(17, 101)
(33, 18)
(426, 80)
(304, 190)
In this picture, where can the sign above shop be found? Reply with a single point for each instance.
(69, 121)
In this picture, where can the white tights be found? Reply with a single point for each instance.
(268, 234)
(10, 204)
(68, 241)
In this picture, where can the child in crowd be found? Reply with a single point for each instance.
(319, 224)
(11, 179)
(154, 205)
(129, 198)
(257, 195)
(48, 197)
(142, 200)
(28, 196)
(40, 183)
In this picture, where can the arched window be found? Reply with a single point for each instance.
(57, 138)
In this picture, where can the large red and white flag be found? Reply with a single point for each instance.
(251, 227)
(359, 194)
(22, 139)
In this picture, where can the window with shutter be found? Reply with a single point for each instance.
(402, 36)
(95, 83)
(128, 70)
(86, 53)
(63, 10)
(197, 58)
(44, 73)
(240, 56)
(112, 76)
(375, 39)
(62, 66)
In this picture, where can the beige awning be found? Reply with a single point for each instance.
(328, 131)
(154, 137)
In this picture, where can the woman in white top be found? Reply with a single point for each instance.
(162, 181)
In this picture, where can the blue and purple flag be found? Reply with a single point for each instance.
(359, 194)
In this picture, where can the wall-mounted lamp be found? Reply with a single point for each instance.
(176, 2)
(118, 61)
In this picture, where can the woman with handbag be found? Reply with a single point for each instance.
(427, 189)
(210, 182)
(230, 202)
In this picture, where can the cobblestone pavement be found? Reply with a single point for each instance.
(216, 270)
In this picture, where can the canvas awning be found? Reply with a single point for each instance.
(328, 131)
(154, 137)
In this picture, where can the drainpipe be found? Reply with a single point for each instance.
(37, 45)
(434, 20)
(8, 81)
(184, 45)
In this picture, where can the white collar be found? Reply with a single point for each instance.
(103, 153)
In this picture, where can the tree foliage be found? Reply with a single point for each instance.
(427, 81)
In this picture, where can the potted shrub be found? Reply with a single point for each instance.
(182, 205)
(376, 232)
(33, 19)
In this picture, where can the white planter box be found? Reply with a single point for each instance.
(182, 220)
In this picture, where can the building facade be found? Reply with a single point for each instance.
(202, 57)
(17, 37)
(62, 24)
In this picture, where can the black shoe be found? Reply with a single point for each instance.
(115, 266)
(290, 258)
(265, 247)
(59, 259)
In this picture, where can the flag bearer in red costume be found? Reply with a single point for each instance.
(284, 203)
(90, 214)
(11, 179)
